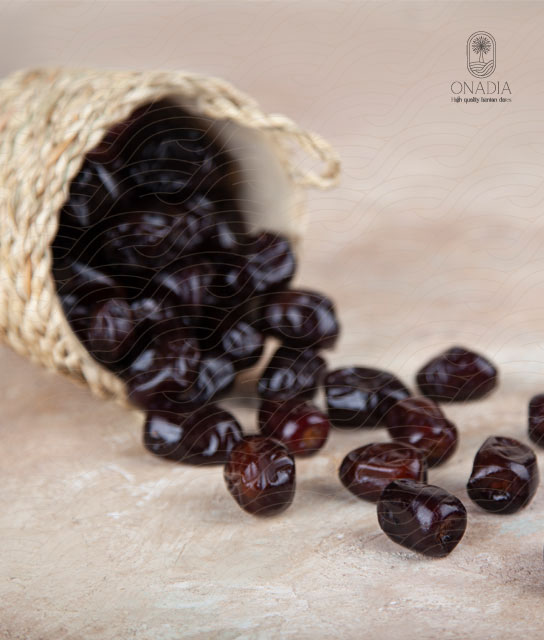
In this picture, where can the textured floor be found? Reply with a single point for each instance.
(436, 236)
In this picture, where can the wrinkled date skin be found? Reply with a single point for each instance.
(292, 373)
(420, 422)
(260, 475)
(457, 375)
(169, 365)
(301, 319)
(301, 426)
(206, 436)
(422, 517)
(161, 388)
(366, 471)
(361, 397)
(536, 419)
(504, 477)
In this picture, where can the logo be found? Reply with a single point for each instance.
(481, 54)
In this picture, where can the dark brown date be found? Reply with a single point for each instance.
(93, 193)
(422, 517)
(181, 288)
(271, 263)
(457, 375)
(216, 376)
(260, 475)
(536, 419)
(149, 236)
(420, 422)
(361, 397)
(169, 365)
(111, 331)
(301, 319)
(366, 471)
(504, 477)
(301, 426)
(206, 436)
(292, 373)
(243, 345)
(83, 289)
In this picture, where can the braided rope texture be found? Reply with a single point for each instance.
(49, 120)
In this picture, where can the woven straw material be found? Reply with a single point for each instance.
(49, 120)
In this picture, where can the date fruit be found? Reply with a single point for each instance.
(361, 397)
(206, 436)
(243, 345)
(301, 319)
(420, 422)
(505, 475)
(303, 428)
(422, 517)
(111, 331)
(169, 365)
(260, 475)
(536, 419)
(292, 373)
(366, 471)
(457, 375)
(149, 236)
(271, 263)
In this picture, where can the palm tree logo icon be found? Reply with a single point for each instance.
(481, 54)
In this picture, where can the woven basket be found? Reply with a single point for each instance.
(49, 120)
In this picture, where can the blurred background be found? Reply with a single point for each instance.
(435, 236)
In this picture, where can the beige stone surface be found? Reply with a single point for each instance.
(436, 236)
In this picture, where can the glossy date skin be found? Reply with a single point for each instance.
(260, 475)
(170, 365)
(504, 476)
(205, 436)
(421, 423)
(536, 419)
(300, 318)
(457, 375)
(158, 389)
(361, 397)
(291, 373)
(242, 344)
(422, 517)
(301, 426)
(271, 263)
(367, 470)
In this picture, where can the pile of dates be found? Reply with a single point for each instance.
(166, 285)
